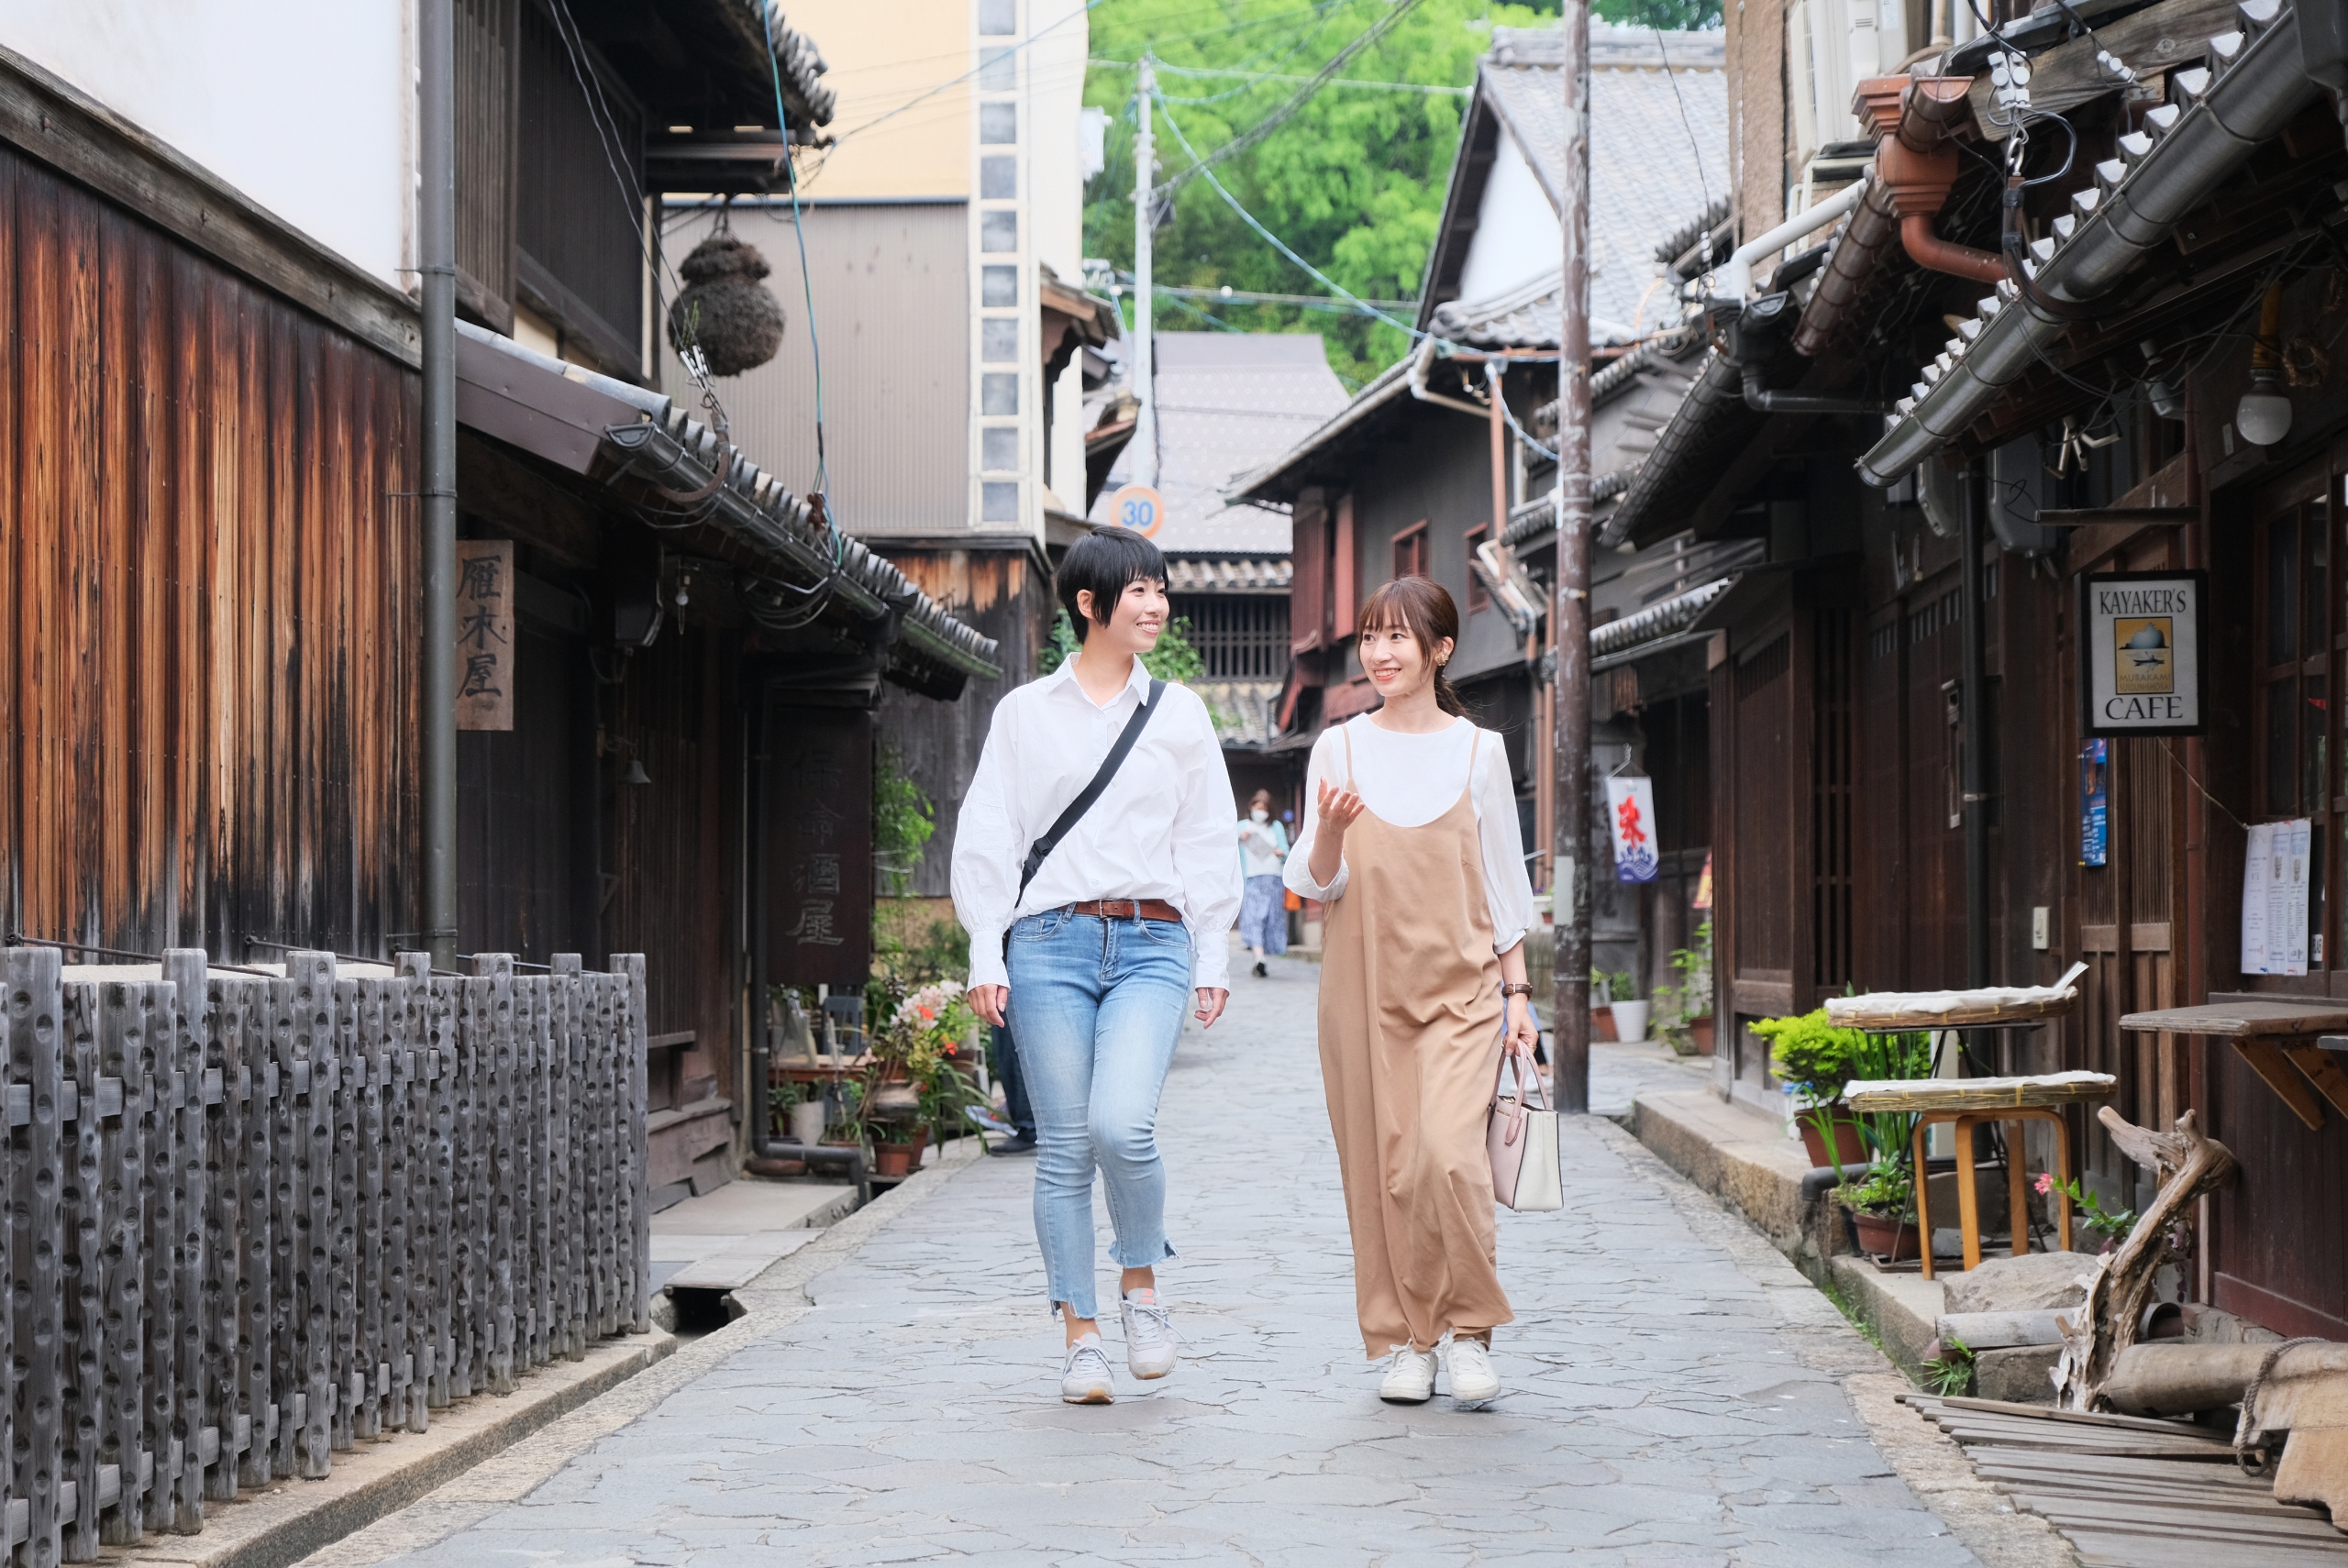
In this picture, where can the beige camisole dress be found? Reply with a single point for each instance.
(1411, 1018)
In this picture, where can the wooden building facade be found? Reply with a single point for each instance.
(1908, 795)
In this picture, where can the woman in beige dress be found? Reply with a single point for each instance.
(1414, 846)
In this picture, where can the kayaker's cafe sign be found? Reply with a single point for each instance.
(2139, 653)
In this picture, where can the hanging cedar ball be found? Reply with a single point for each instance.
(736, 321)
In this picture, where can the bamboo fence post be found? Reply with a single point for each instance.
(83, 1314)
(177, 1027)
(120, 1269)
(36, 1001)
(314, 1036)
(159, 1463)
(343, 1086)
(286, 1177)
(636, 1047)
(564, 1165)
(504, 1165)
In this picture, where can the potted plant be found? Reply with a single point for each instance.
(1629, 1010)
(1694, 993)
(1883, 1208)
(917, 1074)
(1601, 1013)
(1813, 1060)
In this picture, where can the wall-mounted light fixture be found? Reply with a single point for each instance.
(2264, 415)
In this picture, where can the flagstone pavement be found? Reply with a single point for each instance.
(1670, 1400)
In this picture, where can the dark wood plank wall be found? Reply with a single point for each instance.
(209, 725)
(670, 870)
(1005, 596)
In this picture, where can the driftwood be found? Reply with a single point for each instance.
(2187, 1166)
(2306, 1387)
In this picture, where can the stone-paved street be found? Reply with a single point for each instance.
(1671, 1400)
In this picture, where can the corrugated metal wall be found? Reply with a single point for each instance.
(207, 563)
(893, 310)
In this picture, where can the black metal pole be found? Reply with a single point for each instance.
(437, 230)
(1974, 774)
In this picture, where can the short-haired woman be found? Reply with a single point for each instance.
(1414, 846)
(1263, 912)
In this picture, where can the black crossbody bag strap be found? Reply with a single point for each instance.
(1042, 848)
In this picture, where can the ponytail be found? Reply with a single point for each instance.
(1446, 696)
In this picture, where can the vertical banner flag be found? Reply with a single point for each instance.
(2095, 797)
(1630, 811)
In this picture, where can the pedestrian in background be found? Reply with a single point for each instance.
(1414, 847)
(1093, 923)
(1263, 908)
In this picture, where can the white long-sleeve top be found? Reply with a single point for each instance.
(1162, 830)
(1409, 781)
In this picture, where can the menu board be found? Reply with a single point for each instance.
(2274, 899)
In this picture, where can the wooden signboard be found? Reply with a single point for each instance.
(2139, 653)
(819, 847)
(484, 634)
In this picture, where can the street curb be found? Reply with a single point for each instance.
(771, 1304)
(291, 1519)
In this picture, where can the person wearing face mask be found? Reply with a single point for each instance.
(1263, 912)
(1414, 847)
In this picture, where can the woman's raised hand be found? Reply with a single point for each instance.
(1338, 809)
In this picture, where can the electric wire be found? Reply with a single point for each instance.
(1339, 289)
(1385, 23)
(807, 285)
(989, 57)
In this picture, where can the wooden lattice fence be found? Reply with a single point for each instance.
(244, 1235)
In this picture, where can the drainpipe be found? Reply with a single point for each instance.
(1757, 335)
(437, 231)
(1915, 121)
(1736, 275)
(1420, 363)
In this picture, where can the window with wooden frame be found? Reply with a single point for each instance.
(1479, 596)
(1410, 550)
(2300, 631)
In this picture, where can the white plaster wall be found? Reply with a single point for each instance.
(1055, 207)
(305, 106)
(1516, 228)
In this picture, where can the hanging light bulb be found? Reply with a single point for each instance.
(2264, 415)
(636, 774)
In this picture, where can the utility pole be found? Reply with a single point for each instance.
(1144, 381)
(1570, 880)
(437, 231)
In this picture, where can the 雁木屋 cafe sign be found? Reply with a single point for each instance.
(2139, 653)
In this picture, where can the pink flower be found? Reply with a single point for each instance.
(2046, 1183)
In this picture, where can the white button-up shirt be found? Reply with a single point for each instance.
(1162, 829)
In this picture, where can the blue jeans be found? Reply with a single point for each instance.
(1097, 1006)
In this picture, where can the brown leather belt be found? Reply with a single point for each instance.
(1127, 908)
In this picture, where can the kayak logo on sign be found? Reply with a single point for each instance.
(2144, 657)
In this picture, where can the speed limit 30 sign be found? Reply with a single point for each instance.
(1139, 507)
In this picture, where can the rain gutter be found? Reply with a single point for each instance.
(2256, 83)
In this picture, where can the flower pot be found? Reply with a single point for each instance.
(1602, 1023)
(1850, 1149)
(1631, 1019)
(895, 1159)
(1887, 1237)
(1699, 1030)
(807, 1121)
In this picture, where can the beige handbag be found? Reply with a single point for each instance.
(1521, 1136)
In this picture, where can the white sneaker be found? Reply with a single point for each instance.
(1149, 1335)
(1473, 1381)
(1410, 1379)
(1084, 1377)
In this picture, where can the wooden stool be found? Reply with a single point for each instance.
(1968, 1207)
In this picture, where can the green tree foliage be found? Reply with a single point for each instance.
(1354, 181)
(1174, 659)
